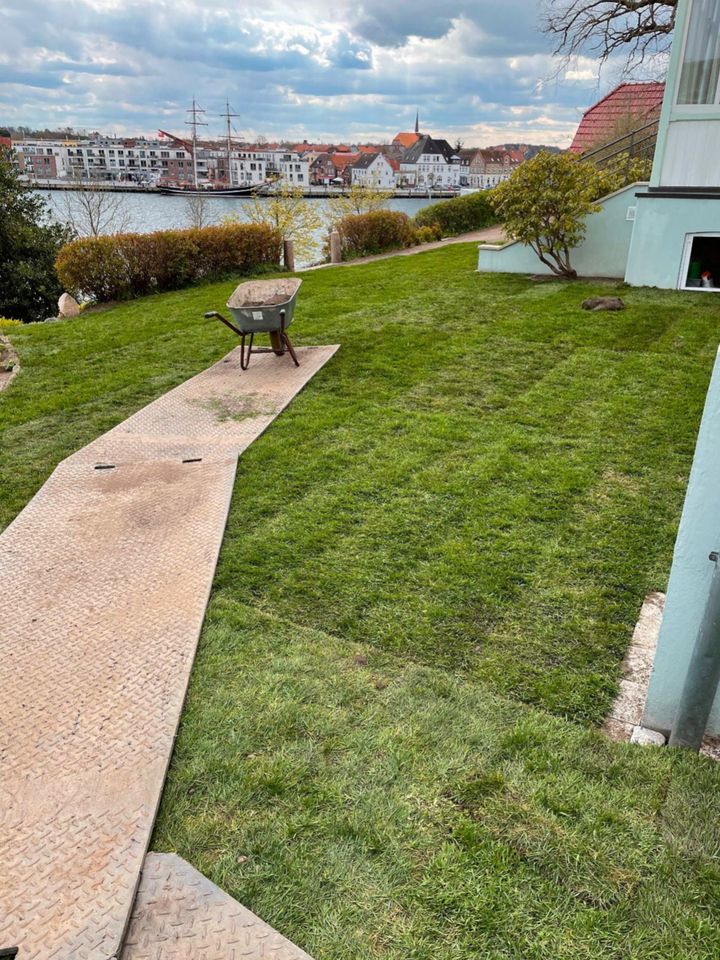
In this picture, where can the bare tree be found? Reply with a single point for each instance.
(196, 210)
(91, 211)
(639, 29)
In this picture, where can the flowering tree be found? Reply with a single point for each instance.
(287, 210)
(360, 198)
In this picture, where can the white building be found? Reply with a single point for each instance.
(374, 169)
(291, 168)
(249, 166)
(430, 164)
(107, 159)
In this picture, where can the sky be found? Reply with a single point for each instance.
(351, 70)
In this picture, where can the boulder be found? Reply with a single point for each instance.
(68, 306)
(603, 303)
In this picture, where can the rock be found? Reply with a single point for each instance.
(603, 303)
(68, 306)
(647, 738)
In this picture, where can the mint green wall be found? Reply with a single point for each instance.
(691, 571)
(658, 239)
(603, 253)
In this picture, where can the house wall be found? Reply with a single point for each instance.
(691, 572)
(603, 253)
(658, 241)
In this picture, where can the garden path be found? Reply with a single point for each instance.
(495, 234)
(105, 579)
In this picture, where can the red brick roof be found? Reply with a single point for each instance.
(406, 139)
(343, 159)
(600, 123)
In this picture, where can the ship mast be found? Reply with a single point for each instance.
(227, 116)
(194, 123)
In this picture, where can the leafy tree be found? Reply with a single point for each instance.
(289, 212)
(544, 205)
(600, 28)
(29, 244)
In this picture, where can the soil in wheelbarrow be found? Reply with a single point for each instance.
(267, 302)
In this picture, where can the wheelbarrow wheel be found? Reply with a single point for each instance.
(276, 342)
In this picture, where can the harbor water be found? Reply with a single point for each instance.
(143, 213)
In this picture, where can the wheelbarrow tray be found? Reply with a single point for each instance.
(257, 305)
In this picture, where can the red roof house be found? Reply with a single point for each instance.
(604, 121)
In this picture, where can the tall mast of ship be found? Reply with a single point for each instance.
(227, 116)
(194, 123)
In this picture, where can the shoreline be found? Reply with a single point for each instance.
(318, 193)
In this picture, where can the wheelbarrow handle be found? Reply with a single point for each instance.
(212, 314)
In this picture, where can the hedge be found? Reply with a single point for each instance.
(130, 265)
(459, 215)
(364, 234)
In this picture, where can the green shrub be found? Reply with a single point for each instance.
(459, 215)
(364, 234)
(133, 264)
(429, 234)
(29, 244)
(6, 323)
(545, 205)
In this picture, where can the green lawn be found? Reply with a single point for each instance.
(433, 565)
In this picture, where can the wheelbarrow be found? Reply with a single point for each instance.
(262, 306)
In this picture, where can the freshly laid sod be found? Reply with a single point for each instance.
(432, 568)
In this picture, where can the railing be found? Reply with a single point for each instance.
(637, 144)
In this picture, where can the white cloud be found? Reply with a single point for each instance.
(476, 69)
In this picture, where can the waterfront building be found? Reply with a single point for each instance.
(374, 169)
(430, 164)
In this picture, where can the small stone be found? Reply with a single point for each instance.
(647, 738)
(68, 306)
(360, 660)
(603, 303)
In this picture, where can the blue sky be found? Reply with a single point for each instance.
(477, 69)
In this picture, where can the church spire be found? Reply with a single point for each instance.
(417, 123)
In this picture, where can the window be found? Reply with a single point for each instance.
(701, 263)
(701, 59)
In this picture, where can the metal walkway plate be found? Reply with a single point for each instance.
(180, 915)
(104, 580)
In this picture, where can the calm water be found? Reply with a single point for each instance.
(143, 213)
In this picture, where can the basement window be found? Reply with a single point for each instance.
(700, 268)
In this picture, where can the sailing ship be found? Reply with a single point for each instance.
(218, 188)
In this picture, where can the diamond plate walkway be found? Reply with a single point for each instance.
(104, 580)
(181, 915)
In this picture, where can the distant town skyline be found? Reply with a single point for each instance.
(477, 70)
